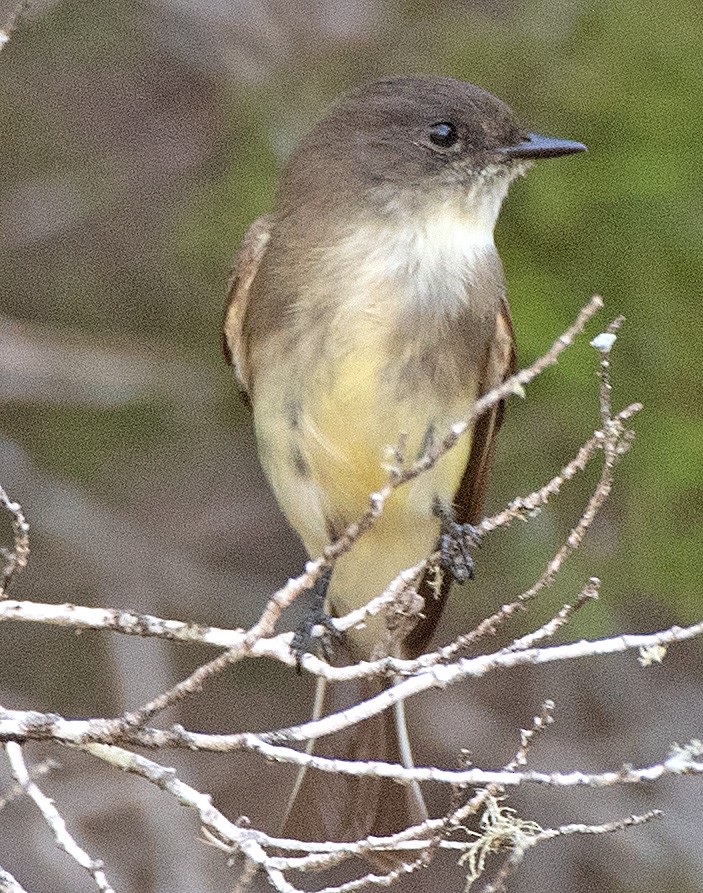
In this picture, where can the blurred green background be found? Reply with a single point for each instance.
(138, 141)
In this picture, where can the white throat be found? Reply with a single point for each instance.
(435, 252)
(423, 256)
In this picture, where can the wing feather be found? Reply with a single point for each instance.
(500, 363)
(244, 269)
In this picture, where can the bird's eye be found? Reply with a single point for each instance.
(443, 134)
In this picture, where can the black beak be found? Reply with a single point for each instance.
(536, 146)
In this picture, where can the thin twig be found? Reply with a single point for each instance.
(38, 770)
(54, 820)
(15, 560)
(549, 629)
(459, 815)
(8, 883)
(497, 885)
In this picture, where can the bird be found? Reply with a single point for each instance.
(367, 313)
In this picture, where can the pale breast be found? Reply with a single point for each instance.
(329, 435)
(381, 346)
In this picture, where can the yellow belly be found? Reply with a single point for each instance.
(324, 464)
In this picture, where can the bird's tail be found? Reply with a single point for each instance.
(328, 806)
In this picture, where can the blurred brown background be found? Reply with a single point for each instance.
(137, 141)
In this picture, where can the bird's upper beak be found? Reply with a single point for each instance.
(536, 146)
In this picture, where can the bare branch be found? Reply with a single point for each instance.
(253, 844)
(38, 770)
(54, 820)
(25, 725)
(125, 622)
(20, 726)
(8, 884)
(15, 560)
(588, 593)
(517, 855)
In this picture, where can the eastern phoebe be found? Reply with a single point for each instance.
(368, 310)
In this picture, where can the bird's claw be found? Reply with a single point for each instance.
(455, 550)
(455, 544)
(316, 615)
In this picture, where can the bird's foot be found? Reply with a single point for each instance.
(456, 542)
(316, 615)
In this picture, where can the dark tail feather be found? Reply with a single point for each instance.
(332, 807)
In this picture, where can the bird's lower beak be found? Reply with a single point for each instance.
(536, 146)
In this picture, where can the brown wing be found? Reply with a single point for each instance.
(499, 364)
(244, 268)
